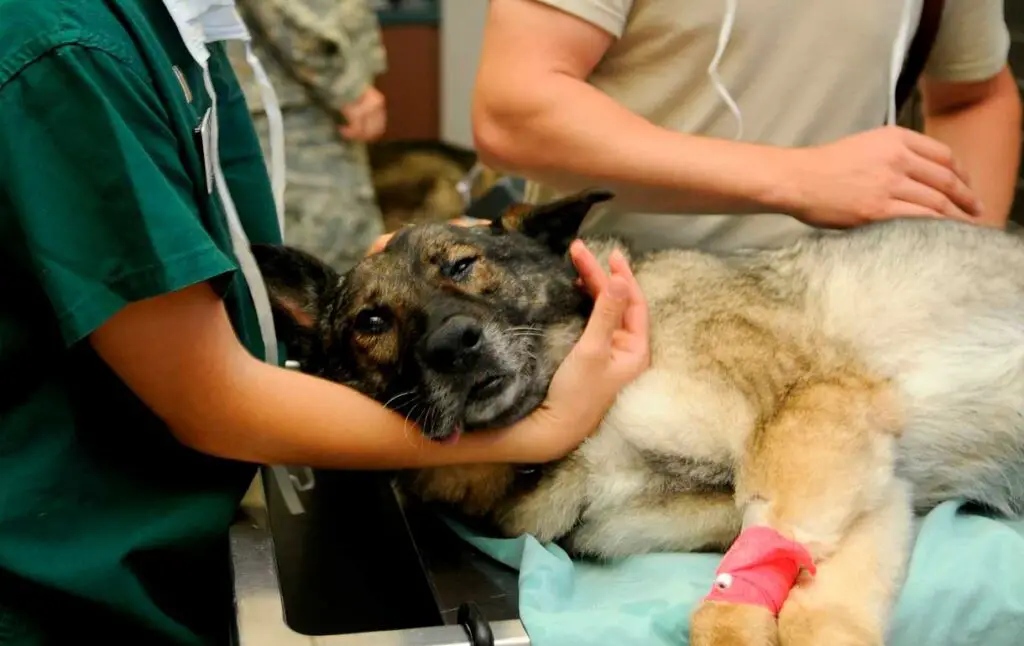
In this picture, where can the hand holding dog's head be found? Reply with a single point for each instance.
(455, 327)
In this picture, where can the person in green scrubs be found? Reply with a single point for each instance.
(135, 394)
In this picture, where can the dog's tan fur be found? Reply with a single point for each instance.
(416, 181)
(763, 366)
(826, 390)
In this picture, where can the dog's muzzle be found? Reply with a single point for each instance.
(455, 346)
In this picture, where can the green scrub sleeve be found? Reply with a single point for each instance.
(94, 180)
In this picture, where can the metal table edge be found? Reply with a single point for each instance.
(260, 611)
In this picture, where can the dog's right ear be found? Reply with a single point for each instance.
(296, 282)
(554, 224)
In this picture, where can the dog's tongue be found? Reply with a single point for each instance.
(454, 437)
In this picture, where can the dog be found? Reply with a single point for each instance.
(417, 181)
(827, 390)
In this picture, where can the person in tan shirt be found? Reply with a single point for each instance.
(790, 127)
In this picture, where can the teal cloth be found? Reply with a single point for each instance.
(965, 585)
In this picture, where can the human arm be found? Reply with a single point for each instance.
(535, 115)
(334, 49)
(90, 148)
(218, 399)
(971, 101)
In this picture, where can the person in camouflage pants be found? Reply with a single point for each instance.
(322, 57)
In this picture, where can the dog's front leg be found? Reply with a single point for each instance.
(849, 600)
(548, 510)
(817, 490)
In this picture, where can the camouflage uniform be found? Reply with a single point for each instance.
(319, 55)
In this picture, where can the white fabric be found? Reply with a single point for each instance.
(899, 53)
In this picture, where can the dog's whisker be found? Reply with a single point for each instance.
(434, 414)
(524, 335)
(410, 406)
(399, 396)
(516, 328)
(526, 331)
(410, 418)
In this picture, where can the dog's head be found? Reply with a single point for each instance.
(457, 328)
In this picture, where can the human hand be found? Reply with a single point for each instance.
(382, 241)
(884, 173)
(366, 117)
(613, 350)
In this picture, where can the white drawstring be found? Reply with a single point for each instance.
(207, 21)
(239, 241)
(257, 287)
(275, 123)
(723, 39)
(899, 53)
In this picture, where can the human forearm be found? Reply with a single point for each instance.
(275, 416)
(253, 411)
(218, 399)
(536, 115)
(565, 133)
(984, 135)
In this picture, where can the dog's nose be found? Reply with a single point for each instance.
(455, 345)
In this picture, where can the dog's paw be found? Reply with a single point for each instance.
(729, 624)
(528, 516)
(810, 625)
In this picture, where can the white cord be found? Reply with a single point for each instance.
(899, 53)
(723, 40)
(257, 288)
(275, 122)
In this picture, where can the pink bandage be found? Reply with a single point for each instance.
(760, 569)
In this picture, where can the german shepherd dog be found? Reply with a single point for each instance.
(827, 390)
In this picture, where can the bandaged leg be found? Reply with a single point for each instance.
(760, 569)
(822, 465)
(751, 585)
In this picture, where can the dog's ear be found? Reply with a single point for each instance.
(296, 282)
(554, 224)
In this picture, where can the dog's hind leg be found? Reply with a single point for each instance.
(817, 477)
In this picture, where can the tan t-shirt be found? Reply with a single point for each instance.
(802, 72)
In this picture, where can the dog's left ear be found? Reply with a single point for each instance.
(297, 282)
(554, 224)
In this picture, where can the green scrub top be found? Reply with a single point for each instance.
(109, 529)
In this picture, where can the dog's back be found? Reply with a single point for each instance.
(939, 308)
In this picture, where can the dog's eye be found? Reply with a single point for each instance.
(460, 269)
(375, 320)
